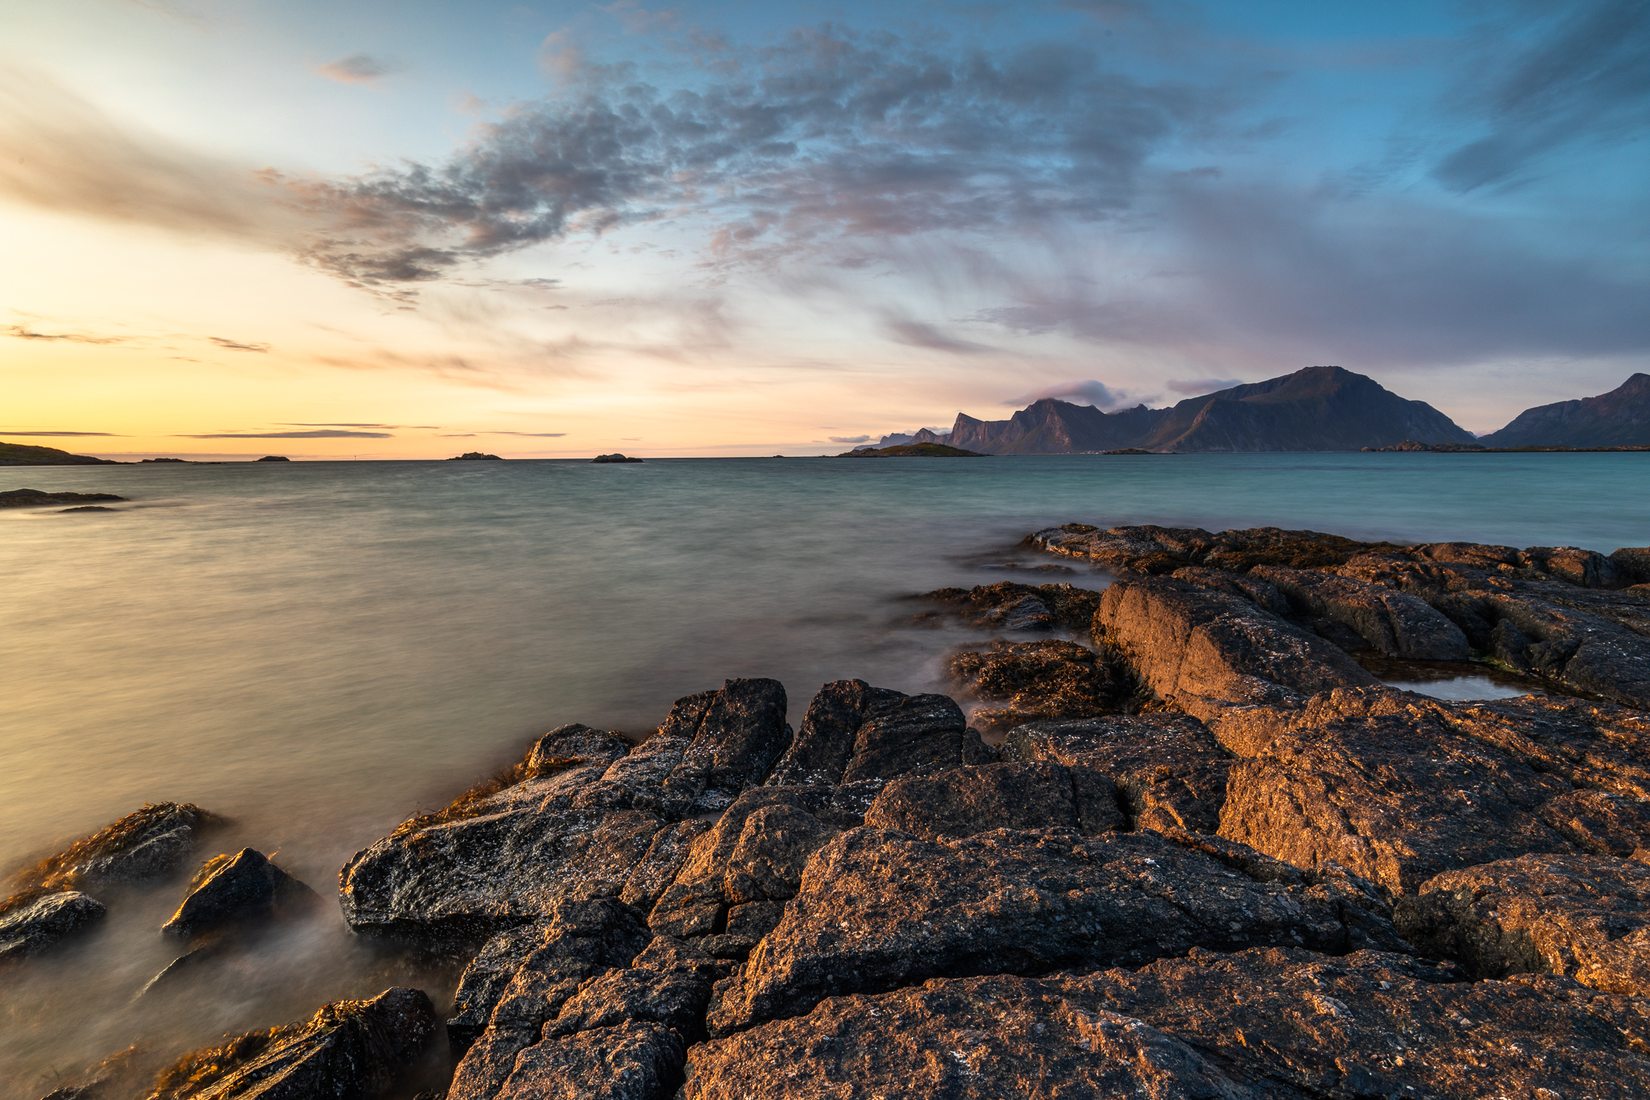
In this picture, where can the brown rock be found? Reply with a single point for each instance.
(1395, 624)
(969, 800)
(1008, 605)
(1585, 917)
(625, 1062)
(1041, 680)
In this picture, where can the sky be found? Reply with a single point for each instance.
(407, 228)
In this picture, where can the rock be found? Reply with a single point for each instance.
(1169, 770)
(1008, 605)
(39, 498)
(347, 1049)
(965, 801)
(615, 457)
(232, 889)
(626, 1062)
(152, 841)
(1148, 549)
(571, 746)
(274, 458)
(1373, 1024)
(1377, 781)
(1585, 917)
(28, 927)
(960, 1037)
(854, 732)
(735, 737)
(1205, 652)
(1394, 624)
(475, 456)
(1041, 680)
(877, 910)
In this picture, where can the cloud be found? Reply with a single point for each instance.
(357, 68)
(59, 433)
(849, 438)
(22, 333)
(1087, 391)
(1197, 387)
(1547, 80)
(320, 433)
(236, 345)
(529, 435)
(337, 424)
(919, 334)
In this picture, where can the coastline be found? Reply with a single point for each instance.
(1228, 801)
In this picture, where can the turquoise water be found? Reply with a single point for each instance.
(318, 649)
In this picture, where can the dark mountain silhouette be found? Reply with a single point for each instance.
(1620, 418)
(26, 454)
(1315, 409)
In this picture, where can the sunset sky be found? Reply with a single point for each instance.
(412, 228)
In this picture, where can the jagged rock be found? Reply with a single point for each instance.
(1169, 770)
(633, 1061)
(967, 1037)
(1205, 652)
(969, 800)
(877, 910)
(1600, 822)
(670, 849)
(40, 498)
(737, 734)
(1395, 624)
(571, 746)
(855, 732)
(1381, 1025)
(348, 1049)
(1592, 744)
(28, 927)
(151, 841)
(1041, 680)
(1377, 781)
(232, 889)
(1585, 917)
(1150, 549)
(1008, 605)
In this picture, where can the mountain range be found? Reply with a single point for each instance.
(1315, 409)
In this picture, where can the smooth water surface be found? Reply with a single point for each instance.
(318, 649)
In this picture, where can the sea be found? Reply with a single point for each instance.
(317, 650)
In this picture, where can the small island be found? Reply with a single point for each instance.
(472, 456)
(24, 454)
(274, 458)
(615, 457)
(911, 450)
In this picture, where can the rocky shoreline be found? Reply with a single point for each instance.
(1187, 844)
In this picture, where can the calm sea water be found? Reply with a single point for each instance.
(318, 649)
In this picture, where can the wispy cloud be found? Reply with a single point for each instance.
(1086, 391)
(319, 433)
(23, 333)
(237, 345)
(357, 68)
(108, 434)
(920, 334)
(849, 438)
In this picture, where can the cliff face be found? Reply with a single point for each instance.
(1620, 418)
(1316, 409)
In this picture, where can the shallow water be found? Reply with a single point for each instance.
(319, 649)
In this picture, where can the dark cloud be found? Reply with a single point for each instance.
(59, 433)
(849, 438)
(1549, 78)
(319, 433)
(1087, 391)
(236, 345)
(357, 68)
(919, 334)
(346, 424)
(22, 333)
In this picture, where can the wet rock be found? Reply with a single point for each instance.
(670, 849)
(919, 733)
(1378, 782)
(1600, 822)
(29, 927)
(1205, 652)
(1585, 917)
(823, 745)
(968, 1037)
(877, 910)
(1372, 1024)
(40, 498)
(572, 746)
(1591, 744)
(1041, 680)
(1631, 565)
(1156, 550)
(735, 736)
(347, 1049)
(1014, 795)
(232, 889)
(148, 842)
(1395, 624)
(1170, 772)
(1008, 605)
(484, 980)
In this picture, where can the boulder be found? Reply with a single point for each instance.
(1157, 550)
(1585, 917)
(148, 842)
(877, 910)
(1041, 680)
(1205, 652)
(825, 741)
(1169, 770)
(1394, 624)
(232, 889)
(32, 926)
(1008, 605)
(348, 1049)
(1010, 795)
(39, 498)
(632, 1061)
